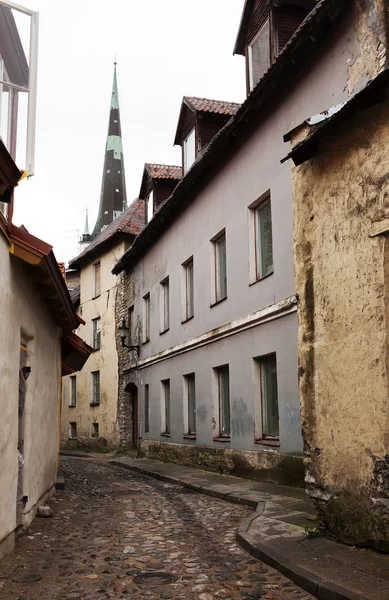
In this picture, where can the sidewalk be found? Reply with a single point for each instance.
(275, 533)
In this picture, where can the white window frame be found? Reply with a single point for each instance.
(72, 397)
(166, 413)
(223, 431)
(218, 295)
(146, 317)
(150, 207)
(96, 333)
(31, 90)
(94, 395)
(187, 290)
(189, 429)
(260, 411)
(96, 288)
(250, 55)
(190, 136)
(165, 304)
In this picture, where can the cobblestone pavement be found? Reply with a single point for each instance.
(110, 526)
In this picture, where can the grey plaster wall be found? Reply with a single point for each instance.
(224, 204)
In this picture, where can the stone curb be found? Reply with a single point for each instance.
(308, 580)
(75, 454)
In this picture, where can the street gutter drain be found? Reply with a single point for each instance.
(154, 578)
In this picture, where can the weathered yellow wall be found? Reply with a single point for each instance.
(104, 360)
(342, 284)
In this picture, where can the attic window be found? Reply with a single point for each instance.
(150, 207)
(259, 55)
(189, 150)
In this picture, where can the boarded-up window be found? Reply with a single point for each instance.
(259, 55)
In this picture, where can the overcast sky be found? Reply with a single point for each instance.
(165, 49)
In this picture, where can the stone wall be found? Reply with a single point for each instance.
(341, 273)
(263, 466)
(125, 298)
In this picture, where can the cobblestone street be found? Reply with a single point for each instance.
(110, 526)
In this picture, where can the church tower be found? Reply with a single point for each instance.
(113, 198)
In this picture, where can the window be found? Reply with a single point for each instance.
(130, 323)
(95, 430)
(189, 150)
(190, 403)
(147, 409)
(165, 305)
(223, 391)
(220, 261)
(96, 333)
(150, 207)
(166, 424)
(269, 397)
(73, 430)
(97, 280)
(146, 318)
(95, 387)
(263, 239)
(73, 391)
(188, 290)
(259, 55)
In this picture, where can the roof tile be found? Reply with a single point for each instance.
(163, 171)
(219, 107)
(131, 221)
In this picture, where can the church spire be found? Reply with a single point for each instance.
(113, 198)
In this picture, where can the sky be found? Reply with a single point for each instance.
(165, 49)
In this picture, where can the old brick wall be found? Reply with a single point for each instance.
(342, 282)
(125, 298)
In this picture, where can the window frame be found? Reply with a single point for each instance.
(149, 202)
(96, 279)
(258, 249)
(165, 305)
(185, 151)
(217, 279)
(95, 383)
(188, 290)
(268, 20)
(72, 430)
(96, 432)
(166, 407)
(147, 408)
(72, 391)
(224, 432)
(96, 333)
(190, 406)
(261, 433)
(146, 318)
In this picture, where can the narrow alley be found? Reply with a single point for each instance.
(111, 527)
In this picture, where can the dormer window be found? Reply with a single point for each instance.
(259, 55)
(189, 150)
(150, 207)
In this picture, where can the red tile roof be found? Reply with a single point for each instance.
(130, 222)
(163, 171)
(219, 107)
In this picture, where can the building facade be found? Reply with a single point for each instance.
(38, 319)
(215, 311)
(340, 191)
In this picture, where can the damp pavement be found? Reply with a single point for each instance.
(118, 534)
